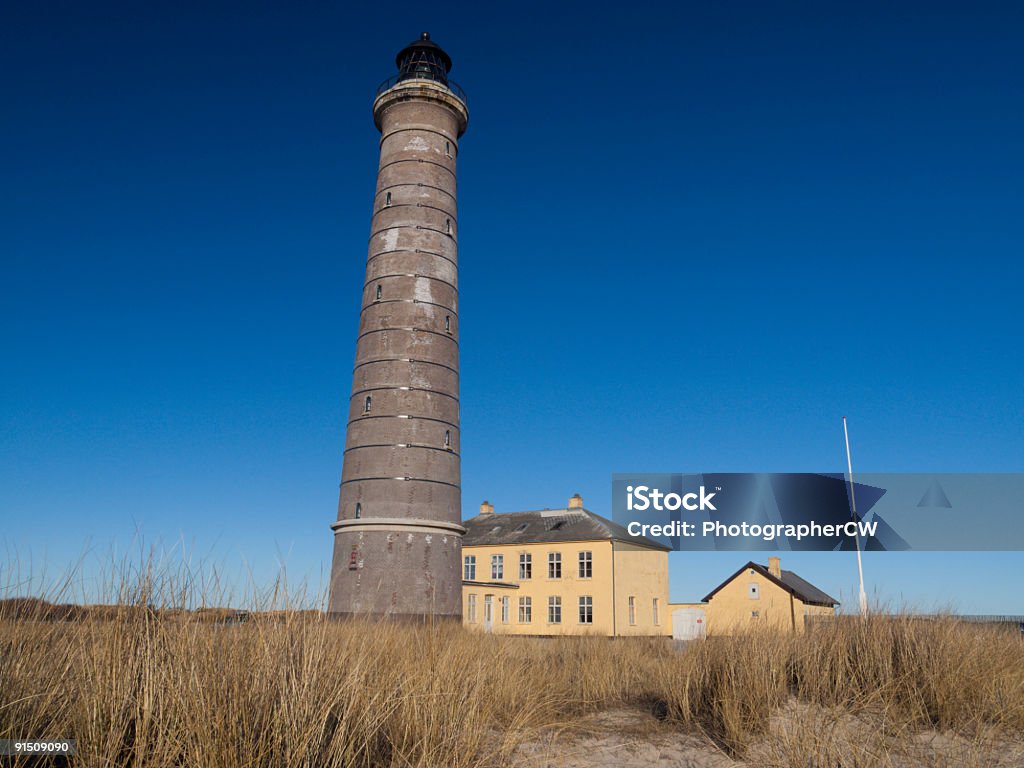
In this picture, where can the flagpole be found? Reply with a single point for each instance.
(853, 503)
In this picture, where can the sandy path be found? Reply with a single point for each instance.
(798, 735)
(621, 738)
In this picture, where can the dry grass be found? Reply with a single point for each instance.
(142, 687)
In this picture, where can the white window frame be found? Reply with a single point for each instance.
(471, 608)
(586, 564)
(469, 567)
(525, 566)
(497, 566)
(554, 610)
(525, 610)
(586, 609)
(554, 565)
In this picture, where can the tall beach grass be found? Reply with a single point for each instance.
(143, 681)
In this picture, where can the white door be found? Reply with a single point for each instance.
(488, 612)
(688, 623)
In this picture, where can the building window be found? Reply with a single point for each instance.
(387, 200)
(497, 566)
(586, 565)
(447, 438)
(525, 610)
(504, 610)
(632, 610)
(471, 608)
(448, 226)
(586, 610)
(554, 610)
(380, 292)
(554, 565)
(447, 323)
(755, 614)
(525, 566)
(753, 591)
(469, 567)
(448, 148)
(367, 403)
(657, 621)
(359, 510)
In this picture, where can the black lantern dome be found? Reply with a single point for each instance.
(423, 58)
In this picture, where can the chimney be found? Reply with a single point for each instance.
(576, 502)
(774, 567)
(487, 508)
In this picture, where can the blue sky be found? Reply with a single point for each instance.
(692, 238)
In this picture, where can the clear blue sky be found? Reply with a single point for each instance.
(693, 236)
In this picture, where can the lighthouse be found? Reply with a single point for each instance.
(398, 534)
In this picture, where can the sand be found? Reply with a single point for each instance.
(636, 738)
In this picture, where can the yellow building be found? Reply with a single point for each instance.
(561, 572)
(765, 596)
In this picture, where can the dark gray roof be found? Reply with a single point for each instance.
(547, 525)
(789, 582)
(806, 591)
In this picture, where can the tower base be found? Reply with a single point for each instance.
(385, 571)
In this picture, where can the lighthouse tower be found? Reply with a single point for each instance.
(398, 536)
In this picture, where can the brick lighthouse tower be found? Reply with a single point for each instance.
(398, 537)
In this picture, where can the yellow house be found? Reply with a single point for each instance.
(765, 596)
(561, 572)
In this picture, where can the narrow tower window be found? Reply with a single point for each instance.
(380, 292)
(447, 438)
(448, 323)
(387, 200)
(367, 403)
(359, 510)
(448, 226)
(448, 148)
